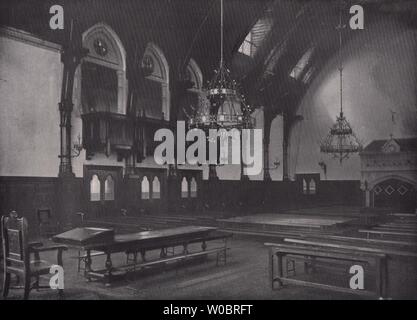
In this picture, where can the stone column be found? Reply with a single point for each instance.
(285, 145)
(367, 198)
(69, 189)
(212, 173)
(266, 140)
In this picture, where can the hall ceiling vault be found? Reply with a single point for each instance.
(283, 31)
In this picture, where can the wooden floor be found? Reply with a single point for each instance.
(245, 276)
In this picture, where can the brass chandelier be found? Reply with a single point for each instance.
(222, 106)
(341, 141)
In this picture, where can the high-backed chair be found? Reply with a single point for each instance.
(22, 258)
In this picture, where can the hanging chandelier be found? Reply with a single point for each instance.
(222, 106)
(341, 141)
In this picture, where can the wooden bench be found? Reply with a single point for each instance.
(354, 248)
(132, 261)
(278, 251)
(392, 253)
(377, 242)
(395, 229)
(398, 226)
(386, 232)
(220, 253)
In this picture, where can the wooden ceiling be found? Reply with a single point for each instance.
(191, 28)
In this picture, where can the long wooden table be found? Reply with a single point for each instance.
(132, 242)
(277, 251)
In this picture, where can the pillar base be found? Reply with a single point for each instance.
(68, 200)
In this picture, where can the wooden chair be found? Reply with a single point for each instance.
(17, 252)
(47, 228)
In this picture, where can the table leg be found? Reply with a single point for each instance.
(313, 264)
(385, 277)
(306, 267)
(135, 260)
(381, 278)
(280, 268)
(109, 267)
(271, 268)
(143, 255)
(88, 262)
(163, 253)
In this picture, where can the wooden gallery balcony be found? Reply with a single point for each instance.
(106, 132)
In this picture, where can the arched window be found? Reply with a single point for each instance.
(194, 74)
(305, 186)
(312, 188)
(192, 99)
(193, 188)
(184, 188)
(109, 188)
(246, 46)
(144, 189)
(299, 68)
(95, 188)
(153, 98)
(156, 188)
(103, 71)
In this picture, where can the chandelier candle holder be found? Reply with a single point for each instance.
(222, 106)
(341, 141)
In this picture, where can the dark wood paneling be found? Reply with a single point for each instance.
(26, 195)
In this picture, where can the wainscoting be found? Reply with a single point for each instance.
(26, 195)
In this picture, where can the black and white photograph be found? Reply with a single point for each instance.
(215, 151)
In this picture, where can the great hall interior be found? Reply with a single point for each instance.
(86, 85)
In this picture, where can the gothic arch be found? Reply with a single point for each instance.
(115, 61)
(113, 58)
(196, 75)
(160, 74)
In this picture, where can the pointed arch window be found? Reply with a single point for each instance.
(305, 186)
(192, 98)
(95, 188)
(153, 98)
(301, 65)
(103, 71)
(109, 188)
(193, 188)
(312, 186)
(194, 74)
(258, 33)
(184, 188)
(156, 188)
(145, 192)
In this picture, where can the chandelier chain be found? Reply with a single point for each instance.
(341, 140)
(340, 29)
(221, 34)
